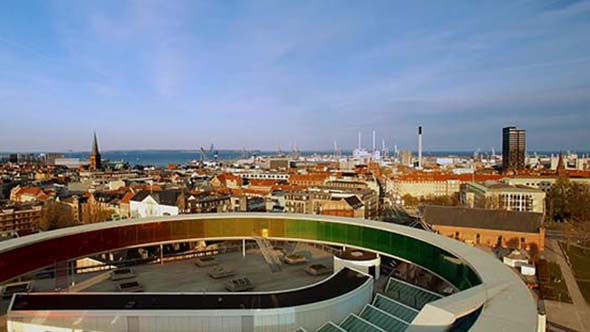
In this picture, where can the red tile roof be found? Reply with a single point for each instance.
(312, 177)
(263, 182)
(127, 197)
(427, 177)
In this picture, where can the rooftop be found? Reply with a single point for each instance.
(527, 222)
(340, 283)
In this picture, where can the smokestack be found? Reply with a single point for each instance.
(359, 140)
(373, 141)
(419, 146)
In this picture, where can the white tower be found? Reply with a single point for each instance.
(359, 146)
(420, 147)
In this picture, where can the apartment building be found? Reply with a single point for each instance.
(497, 195)
(20, 219)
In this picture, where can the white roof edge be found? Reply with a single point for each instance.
(509, 308)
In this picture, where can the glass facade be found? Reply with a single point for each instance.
(44, 253)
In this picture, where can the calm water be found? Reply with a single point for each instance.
(165, 157)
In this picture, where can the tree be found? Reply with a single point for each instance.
(55, 215)
(534, 252)
(579, 202)
(444, 200)
(491, 202)
(513, 243)
(94, 212)
(558, 200)
(410, 200)
(570, 203)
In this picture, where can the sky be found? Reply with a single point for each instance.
(268, 74)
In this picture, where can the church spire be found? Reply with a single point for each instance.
(95, 145)
(95, 160)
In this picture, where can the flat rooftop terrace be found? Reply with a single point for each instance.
(341, 283)
(184, 276)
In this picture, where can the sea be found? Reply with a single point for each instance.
(182, 157)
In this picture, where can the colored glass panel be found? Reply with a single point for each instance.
(421, 253)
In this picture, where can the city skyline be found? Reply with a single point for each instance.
(262, 75)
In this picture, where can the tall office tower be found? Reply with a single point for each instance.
(513, 148)
(95, 160)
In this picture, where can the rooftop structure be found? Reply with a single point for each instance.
(485, 226)
(477, 278)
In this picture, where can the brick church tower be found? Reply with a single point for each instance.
(95, 160)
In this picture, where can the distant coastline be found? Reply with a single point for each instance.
(165, 157)
(159, 157)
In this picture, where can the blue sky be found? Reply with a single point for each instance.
(264, 74)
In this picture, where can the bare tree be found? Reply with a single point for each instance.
(491, 202)
(55, 215)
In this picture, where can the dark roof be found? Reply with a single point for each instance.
(164, 197)
(354, 202)
(356, 255)
(140, 196)
(341, 283)
(107, 196)
(209, 197)
(527, 222)
(95, 146)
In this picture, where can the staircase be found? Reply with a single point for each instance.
(392, 311)
(270, 255)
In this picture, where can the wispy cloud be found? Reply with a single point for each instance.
(264, 74)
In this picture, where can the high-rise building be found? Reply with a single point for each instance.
(95, 160)
(513, 148)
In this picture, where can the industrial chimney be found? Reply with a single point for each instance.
(420, 147)
(359, 143)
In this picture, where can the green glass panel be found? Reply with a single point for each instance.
(324, 232)
(354, 235)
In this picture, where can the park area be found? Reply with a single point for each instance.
(551, 283)
(579, 258)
